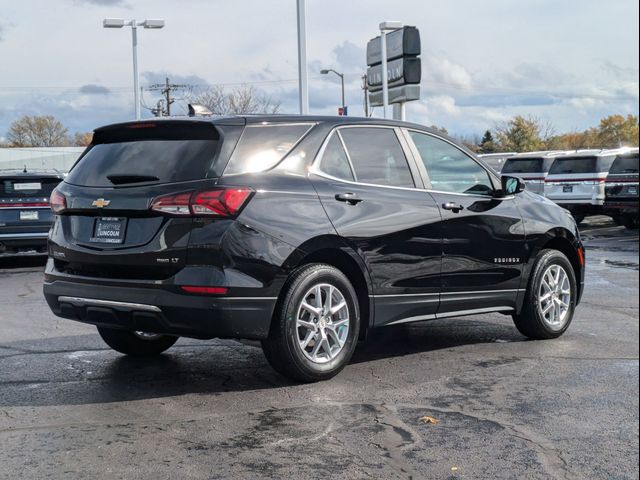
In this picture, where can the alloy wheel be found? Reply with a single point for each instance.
(554, 296)
(322, 323)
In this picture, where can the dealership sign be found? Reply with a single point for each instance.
(404, 68)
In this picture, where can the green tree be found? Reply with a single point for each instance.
(487, 144)
(618, 131)
(522, 134)
(38, 131)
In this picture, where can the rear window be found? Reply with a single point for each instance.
(261, 147)
(147, 153)
(574, 165)
(27, 187)
(626, 164)
(522, 165)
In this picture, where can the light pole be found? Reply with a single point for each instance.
(384, 28)
(341, 75)
(303, 74)
(148, 23)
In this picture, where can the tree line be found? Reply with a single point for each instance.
(529, 134)
(520, 134)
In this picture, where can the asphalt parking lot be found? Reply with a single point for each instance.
(505, 407)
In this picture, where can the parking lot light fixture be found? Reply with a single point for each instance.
(151, 23)
(341, 75)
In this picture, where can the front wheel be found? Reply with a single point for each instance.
(550, 299)
(139, 344)
(315, 329)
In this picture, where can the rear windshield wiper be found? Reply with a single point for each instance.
(119, 179)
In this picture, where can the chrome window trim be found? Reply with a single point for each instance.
(315, 167)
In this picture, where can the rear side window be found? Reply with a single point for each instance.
(522, 165)
(573, 165)
(261, 147)
(27, 187)
(450, 169)
(161, 153)
(377, 157)
(626, 164)
(334, 160)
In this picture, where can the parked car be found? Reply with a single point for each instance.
(25, 215)
(532, 167)
(621, 189)
(302, 232)
(576, 181)
(495, 160)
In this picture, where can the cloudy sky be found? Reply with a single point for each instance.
(570, 62)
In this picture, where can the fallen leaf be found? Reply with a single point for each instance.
(428, 419)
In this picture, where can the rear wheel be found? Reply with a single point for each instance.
(139, 344)
(550, 299)
(315, 329)
(630, 222)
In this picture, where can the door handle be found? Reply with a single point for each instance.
(454, 207)
(350, 198)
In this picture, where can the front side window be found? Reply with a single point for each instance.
(261, 147)
(334, 160)
(377, 157)
(450, 169)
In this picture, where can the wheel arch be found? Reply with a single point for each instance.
(564, 241)
(333, 251)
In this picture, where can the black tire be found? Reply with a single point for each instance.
(282, 347)
(530, 321)
(579, 218)
(630, 222)
(130, 343)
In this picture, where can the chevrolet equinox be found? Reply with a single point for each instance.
(303, 232)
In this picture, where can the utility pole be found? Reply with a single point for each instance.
(365, 87)
(165, 89)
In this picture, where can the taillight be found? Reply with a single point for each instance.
(173, 204)
(220, 202)
(58, 202)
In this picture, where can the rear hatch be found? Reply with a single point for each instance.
(108, 228)
(573, 179)
(622, 181)
(24, 203)
(529, 169)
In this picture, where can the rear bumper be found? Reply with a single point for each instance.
(622, 206)
(33, 243)
(157, 310)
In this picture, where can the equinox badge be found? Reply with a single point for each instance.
(100, 203)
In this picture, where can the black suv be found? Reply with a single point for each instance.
(303, 232)
(25, 215)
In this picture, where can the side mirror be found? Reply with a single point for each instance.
(512, 185)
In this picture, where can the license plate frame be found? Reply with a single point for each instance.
(567, 189)
(29, 215)
(109, 230)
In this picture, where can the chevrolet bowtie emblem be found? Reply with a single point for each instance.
(100, 202)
